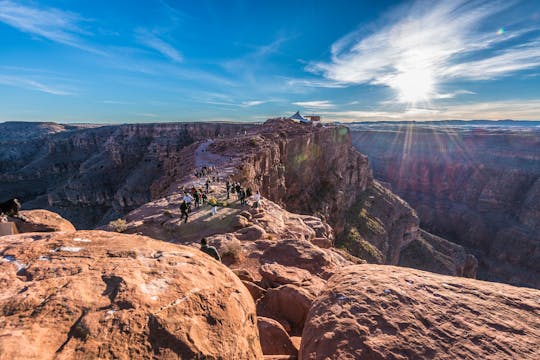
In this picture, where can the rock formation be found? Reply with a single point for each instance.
(40, 221)
(478, 187)
(385, 312)
(93, 175)
(95, 294)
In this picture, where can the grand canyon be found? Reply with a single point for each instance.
(328, 244)
(270, 180)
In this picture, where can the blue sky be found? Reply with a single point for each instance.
(153, 61)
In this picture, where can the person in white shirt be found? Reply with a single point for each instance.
(256, 198)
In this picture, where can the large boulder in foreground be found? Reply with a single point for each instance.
(96, 294)
(41, 221)
(386, 312)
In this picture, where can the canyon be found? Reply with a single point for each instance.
(475, 185)
(302, 274)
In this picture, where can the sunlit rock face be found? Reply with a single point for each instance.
(91, 175)
(385, 312)
(479, 187)
(104, 295)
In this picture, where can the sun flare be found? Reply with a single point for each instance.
(414, 85)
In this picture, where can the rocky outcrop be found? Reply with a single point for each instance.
(384, 312)
(274, 338)
(478, 187)
(40, 221)
(94, 294)
(93, 175)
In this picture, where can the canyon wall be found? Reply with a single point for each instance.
(94, 175)
(478, 187)
(316, 170)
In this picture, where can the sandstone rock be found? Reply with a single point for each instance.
(274, 275)
(239, 222)
(94, 294)
(287, 302)
(41, 221)
(324, 243)
(255, 290)
(301, 254)
(274, 338)
(385, 312)
(251, 233)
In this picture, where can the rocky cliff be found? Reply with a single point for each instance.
(93, 175)
(479, 187)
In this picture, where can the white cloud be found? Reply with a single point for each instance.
(153, 41)
(489, 110)
(426, 45)
(31, 84)
(253, 103)
(49, 23)
(316, 104)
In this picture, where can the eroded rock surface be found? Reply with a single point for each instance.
(94, 294)
(41, 221)
(386, 312)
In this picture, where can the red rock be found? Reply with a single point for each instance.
(255, 290)
(274, 338)
(386, 312)
(275, 275)
(288, 302)
(41, 221)
(251, 233)
(95, 294)
(301, 254)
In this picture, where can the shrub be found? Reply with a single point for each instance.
(212, 201)
(118, 225)
(232, 248)
(168, 213)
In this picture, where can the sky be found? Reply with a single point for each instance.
(164, 60)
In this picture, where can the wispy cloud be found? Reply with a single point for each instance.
(31, 84)
(316, 104)
(60, 26)
(489, 110)
(253, 103)
(427, 45)
(154, 41)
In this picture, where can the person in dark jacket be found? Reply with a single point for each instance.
(210, 250)
(184, 209)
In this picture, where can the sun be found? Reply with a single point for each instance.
(414, 85)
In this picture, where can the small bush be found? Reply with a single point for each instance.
(212, 201)
(232, 248)
(118, 225)
(253, 142)
(168, 213)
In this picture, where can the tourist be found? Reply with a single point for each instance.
(207, 185)
(228, 188)
(238, 188)
(256, 198)
(210, 250)
(188, 199)
(197, 197)
(184, 210)
(214, 210)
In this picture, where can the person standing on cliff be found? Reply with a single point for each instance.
(184, 210)
(238, 188)
(197, 197)
(228, 188)
(207, 185)
(256, 198)
(188, 199)
(210, 250)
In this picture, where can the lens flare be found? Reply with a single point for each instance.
(500, 31)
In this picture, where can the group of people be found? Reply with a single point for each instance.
(242, 194)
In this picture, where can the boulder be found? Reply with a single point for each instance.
(301, 254)
(274, 275)
(274, 338)
(386, 312)
(287, 302)
(251, 233)
(41, 221)
(255, 290)
(96, 294)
